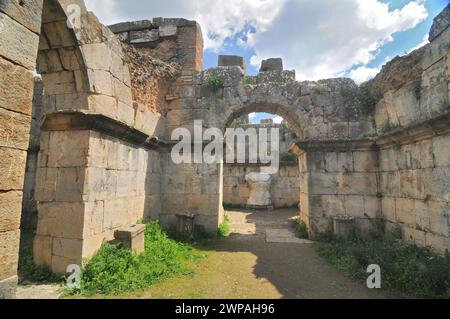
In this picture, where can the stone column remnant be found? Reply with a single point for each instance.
(260, 196)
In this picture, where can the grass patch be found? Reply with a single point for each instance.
(387, 127)
(248, 80)
(301, 229)
(224, 228)
(407, 270)
(29, 273)
(115, 270)
(215, 83)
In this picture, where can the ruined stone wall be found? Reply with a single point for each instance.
(415, 153)
(285, 185)
(19, 37)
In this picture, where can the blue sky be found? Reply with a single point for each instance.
(316, 38)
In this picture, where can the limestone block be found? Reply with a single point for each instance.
(14, 129)
(440, 150)
(10, 210)
(97, 56)
(68, 149)
(275, 64)
(16, 87)
(339, 162)
(70, 184)
(132, 237)
(105, 105)
(168, 30)
(152, 208)
(100, 82)
(71, 58)
(405, 211)
(322, 183)
(115, 213)
(144, 36)
(122, 92)
(100, 184)
(58, 35)
(61, 219)
(439, 213)
(46, 179)
(372, 206)
(354, 206)
(365, 161)
(60, 264)
(231, 60)
(388, 207)
(125, 113)
(17, 43)
(59, 83)
(9, 245)
(26, 13)
(357, 183)
(414, 235)
(12, 168)
(8, 287)
(66, 247)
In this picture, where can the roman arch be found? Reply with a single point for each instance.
(104, 151)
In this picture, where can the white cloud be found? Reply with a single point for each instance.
(363, 73)
(425, 41)
(319, 39)
(252, 117)
(278, 120)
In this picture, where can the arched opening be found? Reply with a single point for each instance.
(254, 194)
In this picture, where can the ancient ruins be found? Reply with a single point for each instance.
(85, 147)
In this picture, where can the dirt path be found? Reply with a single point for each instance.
(245, 265)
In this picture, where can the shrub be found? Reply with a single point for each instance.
(215, 83)
(248, 80)
(116, 270)
(301, 229)
(224, 228)
(407, 270)
(320, 89)
(367, 99)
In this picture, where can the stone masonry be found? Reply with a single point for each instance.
(104, 160)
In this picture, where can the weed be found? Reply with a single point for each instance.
(387, 127)
(367, 99)
(224, 228)
(397, 146)
(115, 270)
(215, 83)
(418, 90)
(445, 106)
(301, 229)
(248, 80)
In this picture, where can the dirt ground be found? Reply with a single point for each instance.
(261, 259)
(245, 265)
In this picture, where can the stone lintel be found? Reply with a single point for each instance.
(76, 121)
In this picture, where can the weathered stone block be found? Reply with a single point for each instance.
(8, 287)
(10, 210)
(168, 30)
(132, 237)
(9, 245)
(16, 87)
(62, 220)
(12, 168)
(17, 43)
(42, 250)
(275, 64)
(144, 36)
(14, 129)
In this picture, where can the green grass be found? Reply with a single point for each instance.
(387, 127)
(368, 100)
(248, 80)
(115, 270)
(215, 83)
(224, 228)
(320, 89)
(407, 270)
(301, 229)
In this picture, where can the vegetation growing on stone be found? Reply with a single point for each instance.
(367, 99)
(248, 80)
(445, 106)
(301, 229)
(215, 83)
(320, 89)
(288, 157)
(387, 127)
(115, 270)
(407, 270)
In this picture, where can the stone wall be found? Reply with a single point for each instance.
(88, 185)
(339, 179)
(285, 185)
(19, 37)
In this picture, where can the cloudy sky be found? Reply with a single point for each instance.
(318, 38)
